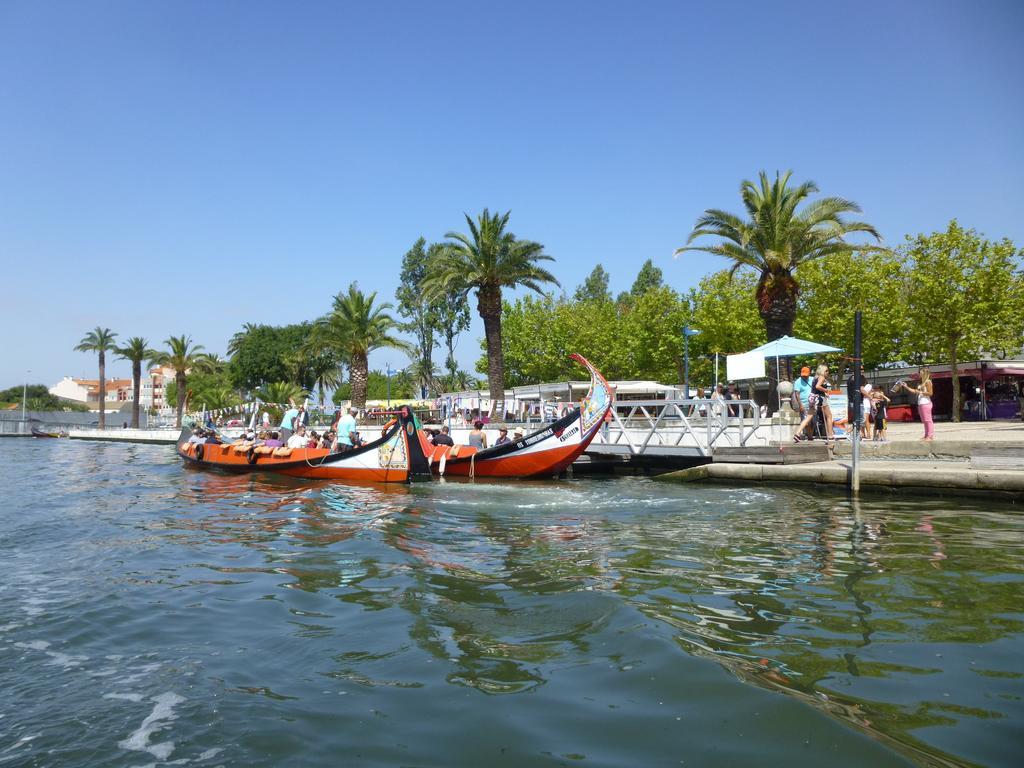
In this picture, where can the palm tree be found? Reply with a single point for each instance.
(184, 357)
(459, 381)
(99, 340)
(777, 240)
(236, 341)
(487, 260)
(281, 393)
(352, 330)
(325, 368)
(137, 350)
(424, 373)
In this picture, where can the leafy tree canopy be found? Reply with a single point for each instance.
(37, 398)
(595, 287)
(403, 387)
(213, 390)
(649, 278)
(267, 353)
(964, 297)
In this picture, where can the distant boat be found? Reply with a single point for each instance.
(36, 432)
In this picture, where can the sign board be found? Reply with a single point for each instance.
(749, 365)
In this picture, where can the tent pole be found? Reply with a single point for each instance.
(778, 378)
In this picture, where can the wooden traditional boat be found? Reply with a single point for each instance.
(36, 432)
(397, 457)
(544, 453)
(404, 453)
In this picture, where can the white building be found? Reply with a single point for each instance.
(87, 391)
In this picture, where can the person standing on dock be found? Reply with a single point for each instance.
(924, 393)
(820, 390)
(802, 401)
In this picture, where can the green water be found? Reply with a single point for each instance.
(155, 615)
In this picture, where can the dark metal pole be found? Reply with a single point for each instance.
(686, 362)
(858, 400)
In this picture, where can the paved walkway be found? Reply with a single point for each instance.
(981, 431)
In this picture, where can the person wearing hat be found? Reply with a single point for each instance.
(518, 434)
(802, 388)
(502, 436)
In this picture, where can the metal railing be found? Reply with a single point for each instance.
(670, 426)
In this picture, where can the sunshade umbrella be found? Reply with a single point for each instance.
(790, 346)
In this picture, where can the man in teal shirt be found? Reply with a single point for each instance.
(287, 422)
(802, 391)
(347, 429)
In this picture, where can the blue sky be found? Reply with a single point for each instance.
(184, 167)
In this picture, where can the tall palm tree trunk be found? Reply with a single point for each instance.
(103, 390)
(489, 306)
(136, 391)
(179, 384)
(776, 301)
(359, 373)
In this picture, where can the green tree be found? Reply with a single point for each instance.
(595, 287)
(487, 260)
(403, 387)
(353, 329)
(963, 297)
(268, 353)
(239, 338)
(282, 393)
(452, 312)
(420, 314)
(834, 288)
(539, 333)
(137, 350)
(210, 389)
(184, 357)
(777, 239)
(37, 398)
(459, 381)
(647, 279)
(100, 341)
(651, 335)
(727, 319)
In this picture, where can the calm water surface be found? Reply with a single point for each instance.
(154, 615)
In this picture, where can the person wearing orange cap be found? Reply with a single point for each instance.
(802, 389)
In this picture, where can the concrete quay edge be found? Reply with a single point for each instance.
(923, 449)
(936, 479)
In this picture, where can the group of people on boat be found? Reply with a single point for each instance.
(477, 437)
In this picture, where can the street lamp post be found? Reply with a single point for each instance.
(687, 333)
